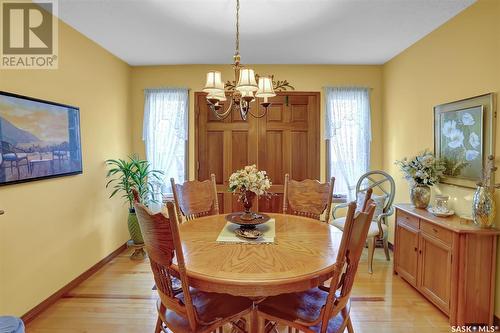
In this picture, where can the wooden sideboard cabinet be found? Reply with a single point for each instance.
(450, 261)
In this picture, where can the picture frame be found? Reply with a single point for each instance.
(464, 137)
(38, 139)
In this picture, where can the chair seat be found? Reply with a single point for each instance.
(210, 307)
(9, 324)
(372, 232)
(305, 306)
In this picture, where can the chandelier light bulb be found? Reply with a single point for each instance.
(214, 83)
(246, 81)
(265, 88)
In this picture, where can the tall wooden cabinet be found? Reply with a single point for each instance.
(451, 262)
(286, 140)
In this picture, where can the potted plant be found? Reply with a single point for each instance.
(421, 172)
(127, 175)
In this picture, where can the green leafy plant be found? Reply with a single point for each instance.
(131, 174)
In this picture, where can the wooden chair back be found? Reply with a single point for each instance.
(162, 243)
(308, 198)
(353, 241)
(195, 199)
(367, 200)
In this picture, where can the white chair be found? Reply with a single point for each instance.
(380, 182)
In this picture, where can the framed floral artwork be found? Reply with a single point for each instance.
(464, 137)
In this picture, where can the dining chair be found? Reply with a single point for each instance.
(14, 156)
(325, 309)
(195, 198)
(308, 198)
(384, 184)
(189, 309)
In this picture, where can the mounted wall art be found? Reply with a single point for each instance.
(464, 136)
(38, 139)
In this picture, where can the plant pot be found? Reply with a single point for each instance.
(420, 195)
(134, 228)
(483, 207)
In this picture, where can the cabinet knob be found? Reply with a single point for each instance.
(416, 249)
(2, 212)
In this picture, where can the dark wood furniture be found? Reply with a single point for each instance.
(302, 258)
(325, 309)
(450, 261)
(286, 140)
(308, 198)
(188, 309)
(195, 199)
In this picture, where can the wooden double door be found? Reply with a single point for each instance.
(286, 140)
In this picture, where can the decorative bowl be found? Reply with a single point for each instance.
(248, 233)
(248, 224)
(439, 213)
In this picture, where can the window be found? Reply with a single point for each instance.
(348, 135)
(165, 133)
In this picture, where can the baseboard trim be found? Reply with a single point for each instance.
(33, 313)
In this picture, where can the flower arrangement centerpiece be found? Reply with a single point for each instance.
(421, 171)
(246, 184)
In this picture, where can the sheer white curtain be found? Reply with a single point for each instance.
(348, 128)
(165, 133)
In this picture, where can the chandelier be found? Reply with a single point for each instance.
(246, 88)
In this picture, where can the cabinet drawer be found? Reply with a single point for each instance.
(436, 231)
(408, 220)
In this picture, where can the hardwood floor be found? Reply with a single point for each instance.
(119, 298)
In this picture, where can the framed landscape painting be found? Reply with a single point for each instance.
(38, 139)
(464, 137)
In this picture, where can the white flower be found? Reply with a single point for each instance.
(449, 127)
(249, 179)
(456, 139)
(471, 155)
(467, 119)
(474, 140)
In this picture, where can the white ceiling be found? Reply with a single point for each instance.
(154, 32)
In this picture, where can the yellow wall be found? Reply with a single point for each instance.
(55, 229)
(460, 59)
(302, 77)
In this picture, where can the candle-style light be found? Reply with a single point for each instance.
(244, 89)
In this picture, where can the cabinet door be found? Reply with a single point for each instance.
(407, 253)
(435, 271)
(289, 143)
(223, 146)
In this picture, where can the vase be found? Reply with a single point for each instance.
(420, 195)
(483, 207)
(134, 228)
(247, 201)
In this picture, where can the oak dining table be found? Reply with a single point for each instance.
(302, 257)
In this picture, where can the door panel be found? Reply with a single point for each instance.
(215, 161)
(435, 271)
(407, 253)
(286, 140)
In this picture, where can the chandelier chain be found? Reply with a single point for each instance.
(237, 27)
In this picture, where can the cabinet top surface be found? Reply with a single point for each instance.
(453, 223)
